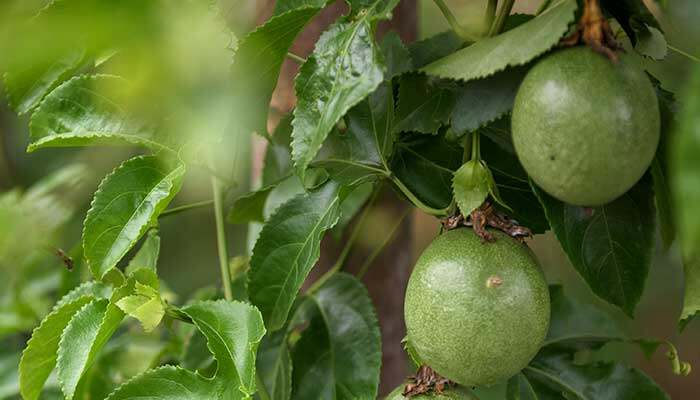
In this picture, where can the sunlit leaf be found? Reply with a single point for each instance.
(126, 203)
(167, 382)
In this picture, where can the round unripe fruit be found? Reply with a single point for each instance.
(476, 313)
(454, 393)
(585, 128)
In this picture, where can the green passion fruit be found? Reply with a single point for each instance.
(585, 128)
(476, 313)
(454, 393)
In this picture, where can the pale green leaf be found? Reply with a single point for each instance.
(88, 110)
(517, 46)
(233, 331)
(166, 383)
(471, 185)
(27, 86)
(39, 357)
(287, 249)
(338, 356)
(125, 204)
(145, 305)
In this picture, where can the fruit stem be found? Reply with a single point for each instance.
(501, 17)
(221, 237)
(466, 36)
(490, 12)
(476, 146)
(439, 212)
(388, 239)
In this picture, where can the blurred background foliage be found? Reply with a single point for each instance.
(176, 55)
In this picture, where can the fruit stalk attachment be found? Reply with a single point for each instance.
(594, 30)
(426, 380)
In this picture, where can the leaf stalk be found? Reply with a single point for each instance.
(221, 237)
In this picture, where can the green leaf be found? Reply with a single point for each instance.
(287, 249)
(86, 333)
(233, 331)
(350, 206)
(517, 46)
(278, 156)
(652, 43)
(483, 101)
(598, 381)
(27, 86)
(610, 246)
(250, 206)
(147, 256)
(88, 110)
(39, 357)
(520, 388)
(359, 154)
(125, 204)
(274, 365)
(396, 56)
(471, 185)
(640, 25)
(145, 305)
(339, 354)
(434, 48)
(426, 164)
(424, 105)
(685, 174)
(344, 68)
(259, 58)
(167, 382)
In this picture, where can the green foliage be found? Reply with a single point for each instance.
(471, 184)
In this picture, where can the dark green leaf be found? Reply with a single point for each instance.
(278, 157)
(126, 203)
(471, 185)
(515, 47)
(259, 58)
(640, 25)
(167, 382)
(520, 388)
(250, 207)
(88, 110)
(433, 48)
(287, 249)
(339, 354)
(598, 381)
(425, 164)
(611, 245)
(233, 331)
(274, 365)
(510, 177)
(483, 101)
(26, 87)
(39, 357)
(350, 206)
(344, 68)
(396, 56)
(424, 105)
(685, 168)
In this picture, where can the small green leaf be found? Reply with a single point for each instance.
(610, 246)
(233, 331)
(483, 101)
(88, 110)
(26, 87)
(250, 206)
(259, 58)
(287, 249)
(517, 46)
(471, 185)
(147, 256)
(274, 365)
(652, 43)
(167, 382)
(339, 353)
(125, 204)
(145, 305)
(344, 68)
(39, 357)
(424, 105)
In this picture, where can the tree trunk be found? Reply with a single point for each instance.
(386, 279)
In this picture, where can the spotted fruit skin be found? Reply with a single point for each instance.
(476, 313)
(455, 393)
(586, 129)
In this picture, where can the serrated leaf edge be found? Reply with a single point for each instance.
(154, 371)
